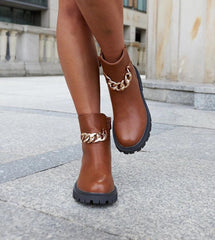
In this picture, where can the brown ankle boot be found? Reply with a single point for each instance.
(132, 120)
(95, 183)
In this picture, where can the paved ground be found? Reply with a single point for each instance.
(166, 191)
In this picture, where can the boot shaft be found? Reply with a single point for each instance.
(95, 174)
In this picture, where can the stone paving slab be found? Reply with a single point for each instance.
(47, 93)
(26, 166)
(21, 223)
(51, 93)
(25, 133)
(165, 192)
(181, 115)
(16, 167)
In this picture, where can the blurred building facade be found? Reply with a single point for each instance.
(28, 36)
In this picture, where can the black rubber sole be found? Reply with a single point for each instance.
(94, 198)
(137, 147)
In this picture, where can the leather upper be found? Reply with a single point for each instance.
(130, 116)
(95, 174)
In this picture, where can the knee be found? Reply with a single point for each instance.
(69, 9)
(91, 4)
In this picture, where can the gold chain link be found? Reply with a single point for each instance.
(120, 86)
(94, 137)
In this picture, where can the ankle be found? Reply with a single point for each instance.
(112, 56)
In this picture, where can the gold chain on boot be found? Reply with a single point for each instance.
(120, 86)
(94, 137)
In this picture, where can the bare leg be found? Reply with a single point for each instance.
(78, 58)
(79, 61)
(105, 19)
(132, 121)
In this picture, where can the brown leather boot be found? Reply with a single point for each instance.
(95, 183)
(132, 120)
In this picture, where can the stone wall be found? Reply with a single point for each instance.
(30, 50)
(181, 52)
(181, 40)
(27, 50)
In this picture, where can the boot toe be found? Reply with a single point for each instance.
(127, 136)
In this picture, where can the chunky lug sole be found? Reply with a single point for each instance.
(94, 198)
(137, 147)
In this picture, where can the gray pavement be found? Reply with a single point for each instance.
(166, 191)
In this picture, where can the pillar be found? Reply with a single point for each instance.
(42, 47)
(3, 44)
(50, 48)
(12, 44)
